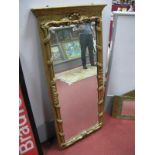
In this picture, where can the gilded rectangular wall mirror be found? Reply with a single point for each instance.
(71, 39)
(124, 106)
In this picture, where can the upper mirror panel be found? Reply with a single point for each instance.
(69, 42)
(74, 52)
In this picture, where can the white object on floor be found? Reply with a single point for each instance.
(76, 74)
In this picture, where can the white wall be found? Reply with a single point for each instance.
(106, 29)
(31, 58)
(122, 72)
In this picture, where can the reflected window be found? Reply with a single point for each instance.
(67, 35)
(72, 49)
(53, 38)
(64, 35)
(60, 35)
(75, 34)
(65, 42)
(56, 54)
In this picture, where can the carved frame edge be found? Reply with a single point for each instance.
(49, 69)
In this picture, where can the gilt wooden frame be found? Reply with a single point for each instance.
(118, 105)
(48, 17)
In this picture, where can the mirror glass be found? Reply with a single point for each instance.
(74, 54)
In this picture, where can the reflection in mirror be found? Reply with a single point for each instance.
(74, 54)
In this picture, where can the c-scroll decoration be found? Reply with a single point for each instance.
(74, 18)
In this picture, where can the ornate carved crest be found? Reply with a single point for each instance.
(74, 18)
